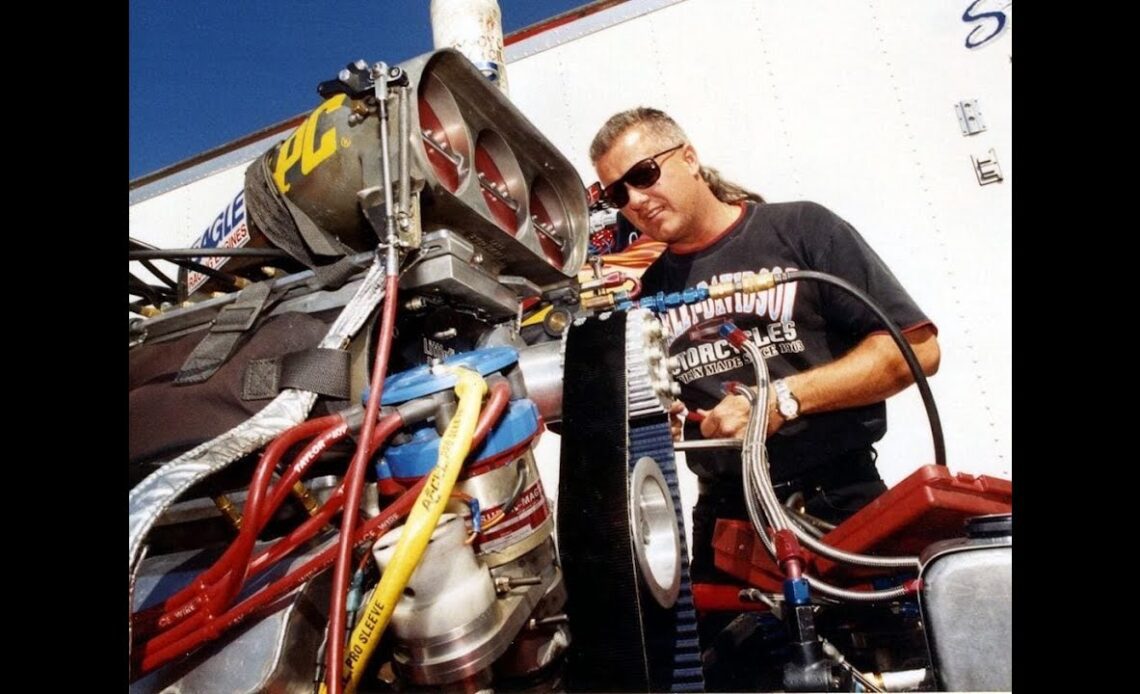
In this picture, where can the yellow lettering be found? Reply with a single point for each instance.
(311, 157)
(302, 147)
(288, 155)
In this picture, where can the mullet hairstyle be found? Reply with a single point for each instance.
(661, 126)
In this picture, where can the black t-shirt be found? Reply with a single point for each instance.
(797, 326)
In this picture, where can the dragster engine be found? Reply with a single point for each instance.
(333, 472)
(425, 177)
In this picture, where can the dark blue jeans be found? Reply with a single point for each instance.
(732, 643)
(832, 492)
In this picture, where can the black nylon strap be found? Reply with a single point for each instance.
(317, 241)
(323, 371)
(334, 275)
(231, 324)
(290, 229)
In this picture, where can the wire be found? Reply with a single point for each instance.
(160, 275)
(903, 345)
(173, 254)
(354, 485)
(195, 594)
(151, 657)
(219, 585)
(312, 525)
(456, 442)
(505, 508)
(636, 290)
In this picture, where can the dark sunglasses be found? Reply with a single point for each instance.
(641, 175)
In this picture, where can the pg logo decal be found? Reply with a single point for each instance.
(307, 147)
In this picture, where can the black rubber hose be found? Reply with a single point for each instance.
(160, 275)
(150, 293)
(188, 253)
(904, 346)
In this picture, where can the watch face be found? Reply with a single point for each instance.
(788, 408)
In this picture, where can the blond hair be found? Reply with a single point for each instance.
(661, 126)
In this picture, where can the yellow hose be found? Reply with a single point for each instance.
(453, 450)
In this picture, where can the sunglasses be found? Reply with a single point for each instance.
(641, 175)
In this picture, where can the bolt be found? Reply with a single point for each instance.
(554, 619)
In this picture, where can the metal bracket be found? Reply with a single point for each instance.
(358, 81)
(969, 117)
(987, 169)
(355, 80)
(520, 286)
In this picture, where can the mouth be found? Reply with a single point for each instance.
(652, 214)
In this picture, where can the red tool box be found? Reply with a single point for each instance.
(931, 504)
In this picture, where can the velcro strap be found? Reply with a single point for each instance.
(232, 322)
(289, 228)
(316, 239)
(323, 371)
(333, 275)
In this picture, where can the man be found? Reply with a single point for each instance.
(831, 362)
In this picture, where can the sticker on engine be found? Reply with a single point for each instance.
(228, 230)
(529, 512)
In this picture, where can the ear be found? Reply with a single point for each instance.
(692, 161)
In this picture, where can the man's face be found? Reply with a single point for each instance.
(663, 211)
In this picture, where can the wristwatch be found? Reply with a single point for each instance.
(785, 401)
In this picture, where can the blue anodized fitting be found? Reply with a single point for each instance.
(797, 591)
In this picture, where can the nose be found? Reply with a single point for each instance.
(637, 197)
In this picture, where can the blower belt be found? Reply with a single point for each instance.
(622, 639)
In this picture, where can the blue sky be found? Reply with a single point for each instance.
(206, 72)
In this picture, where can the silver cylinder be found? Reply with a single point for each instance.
(541, 367)
(475, 29)
(528, 521)
(449, 589)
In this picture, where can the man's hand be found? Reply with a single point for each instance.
(677, 419)
(871, 371)
(729, 418)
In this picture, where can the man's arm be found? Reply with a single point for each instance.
(872, 371)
